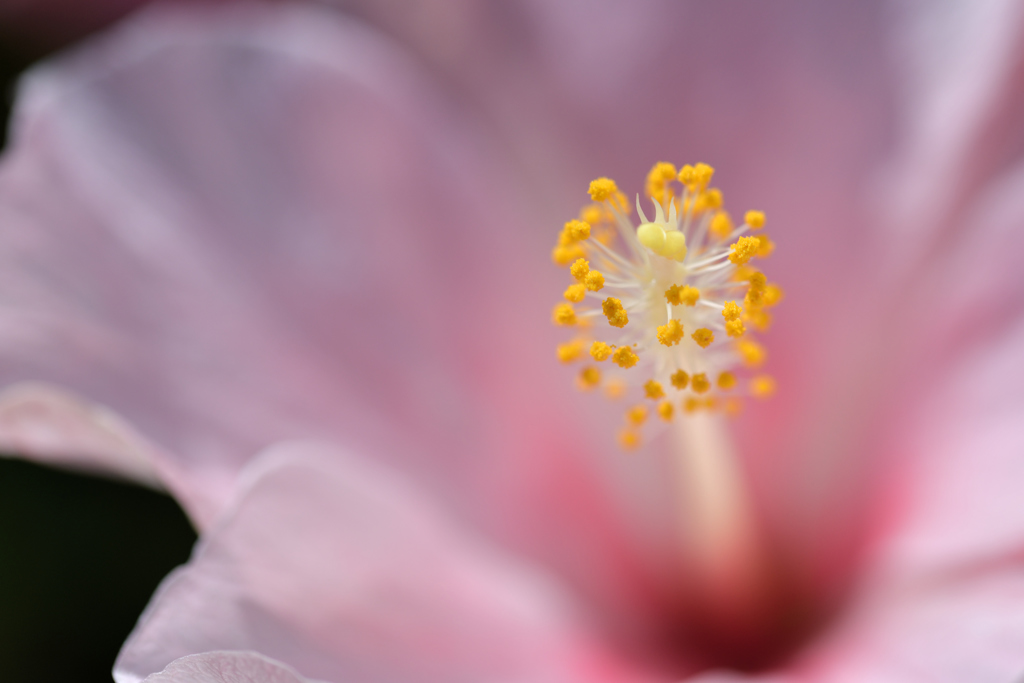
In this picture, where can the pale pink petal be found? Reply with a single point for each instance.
(224, 667)
(346, 573)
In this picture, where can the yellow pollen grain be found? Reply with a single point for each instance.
(629, 439)
(721, 225)
(665, 410)
(752, 353)
(578, 230)
(687, 176)
(743, 249)
(766, 248)
(699, 383)
(575, 293)
(570, 351)
(703, 173)
(671, 333)
(703, 337)
(711, 199)
(637, 414)
(762, 386)
(755, 219)
(564, 315)
(735, 328)
(579, 269)
(726, 380)
(625, 357)
(731, 311)
(600, 351)
(594, 281)
(652, 389)
(679, 379)
(657, 180)
(602, 188)
(680, 296)
(615, 388)
(613, 310)
(588, 378)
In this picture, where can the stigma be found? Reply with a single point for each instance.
(665, 308)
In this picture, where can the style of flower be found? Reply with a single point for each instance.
(263, 256)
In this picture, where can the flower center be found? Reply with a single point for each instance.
(666, 309)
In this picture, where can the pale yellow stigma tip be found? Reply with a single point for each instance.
(614, 311)
(625, 357)
(703, 337)
(600, 351)
(699, 383)
(653, 390)
(755, 219)
(743, 249)
(680, 379)
(762, 386)
(564, 315)
(602, 188)
(671, 333)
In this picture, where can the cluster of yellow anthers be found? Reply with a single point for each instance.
(678, 297)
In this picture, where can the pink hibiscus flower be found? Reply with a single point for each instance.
(292, 265)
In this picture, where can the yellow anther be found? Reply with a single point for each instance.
(615, 388)
(679, 379)
(652, 389)
(726, 380)
(711, 199)
(731, 311)
(613, 310)
(602, 188)
(588, 378)
(680, 296)
(578, 230)
(675, 245)
(579, 269)
(671, 333)
(652, 236)
(563, 256)
(625, 357)
(762, 386)
(703, 337)
(766, 248)
(756, 292)
(629, 439)
(755, 219)
(735, 328)
(743, 273)
(699, 383)
(702, 174)
(752, 353)
(594, 281)
(592, 214)
(570, 351)
(760, 319)
(687, 175)
(564, 315)
(637, 414)
(620, 203)
(721, 225)
(575, 293)
(657, 180)
(743, 249)
(600, 351)
(665, 410)
(772, 295)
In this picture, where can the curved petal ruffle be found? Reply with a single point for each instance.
(344, 572)
(222, 667)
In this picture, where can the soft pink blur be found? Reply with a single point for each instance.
(240, 226)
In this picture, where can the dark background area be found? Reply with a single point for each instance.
(80, 556)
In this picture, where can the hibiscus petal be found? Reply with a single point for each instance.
(224, 667)
(344, 572)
